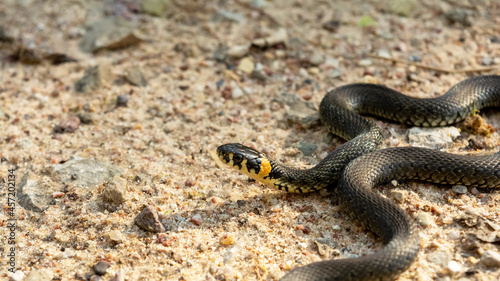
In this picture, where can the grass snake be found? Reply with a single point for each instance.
(358, 165)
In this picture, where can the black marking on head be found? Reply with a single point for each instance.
(238, 153)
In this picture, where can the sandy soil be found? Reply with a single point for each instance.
(220, 225)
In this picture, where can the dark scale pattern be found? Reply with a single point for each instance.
(367, 166)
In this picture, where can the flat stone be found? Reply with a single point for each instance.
(135, 77)
(110, 33)
(149, 220)
(115, 191)
(436, 138)
(85, 172)
(491, 258)
(33, 195)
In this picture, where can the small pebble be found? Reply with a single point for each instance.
(446, 220)
(122, 100)
(453, 235)
(69, 125)
(394, 182)
(149, 220)
(238, 51)
(475, 191)
(17, 276)
(334, 73)
(454, 268)
(115, 190)
(460, 189)
(365, 62)
(398, 195)
(317, 59)
(237, 93)
(246, 65)
(424, 219)
(116, 235)
(487, 61)
(384, 53)
(229, 240)
(101, 267)
(491, 258)
(196, 219)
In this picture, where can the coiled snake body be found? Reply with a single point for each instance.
(357, 166)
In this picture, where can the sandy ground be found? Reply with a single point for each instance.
(220, 225)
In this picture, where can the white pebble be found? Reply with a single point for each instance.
(17, 276)
(454, 268)
(453, 235)
(237, 93)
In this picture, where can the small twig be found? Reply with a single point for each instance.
(444, 70)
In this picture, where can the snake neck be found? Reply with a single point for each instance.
(328, 171)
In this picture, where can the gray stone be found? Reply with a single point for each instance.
(33, 195)
(491, 258)
(101, 267)
(115, 191)
(85, 172)
(440, 257)
(149, 220)
(299, 111)
(306, 148)
(38, 275)
(109, 33)
(436, 138)
(460, 189)
(93, 78)
(135, 77)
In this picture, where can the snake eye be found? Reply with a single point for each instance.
(237, 158)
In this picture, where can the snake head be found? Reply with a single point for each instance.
(245, 159)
